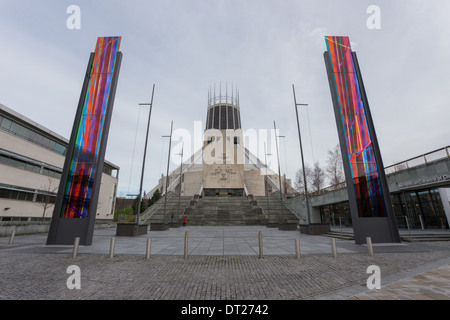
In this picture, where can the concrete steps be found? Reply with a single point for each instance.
(428, 237)
(274, 206)
(224, 211)
(340, 235)
(171, 209)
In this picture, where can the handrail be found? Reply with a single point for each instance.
(148, 213)
(403, 165)
(406, 164)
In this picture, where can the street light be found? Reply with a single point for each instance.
(145, 152)
(279, 175)
(181, 175)
(301, 151)
(167, 174)
(267, 185)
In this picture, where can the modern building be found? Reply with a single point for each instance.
(31, 162)
(419, 189)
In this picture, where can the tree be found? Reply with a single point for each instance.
(155, 197)
(298, 183)
(135, 205)
(317, 177)
(47, 195)
(335, 170)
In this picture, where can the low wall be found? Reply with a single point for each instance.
(32, 227)
(315, 228)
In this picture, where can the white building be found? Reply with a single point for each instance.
(31, 162)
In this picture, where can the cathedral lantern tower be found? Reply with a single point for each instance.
(223, 150)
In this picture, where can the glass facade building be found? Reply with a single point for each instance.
(417, 209)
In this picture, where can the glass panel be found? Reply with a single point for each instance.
(19, 130)
(223, 117)
(216, 117)
(59, 148)
(6, 124)
(52, 145)
(3, 159)
(5, 193)
(439, 208)
(38, 139)
(30, 136)
(230, 117)
(29, 167)
(429, 214)
(45, 142)
(21, 196)
(210, 118)
(29, 196)
(399, 210)
(16, 163)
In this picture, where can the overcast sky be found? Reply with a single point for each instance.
(260, 46)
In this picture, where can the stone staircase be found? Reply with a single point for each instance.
(224, 211)
(424, 237)
(273, 205)
(171, 209)
(344, 235)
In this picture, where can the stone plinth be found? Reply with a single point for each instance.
(130, 229)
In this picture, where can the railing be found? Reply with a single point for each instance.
(147, 214)
(442, 153)
(439, 154)
(327, 189)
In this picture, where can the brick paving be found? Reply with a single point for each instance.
(223, 264)
(430, 285)
(44, 276)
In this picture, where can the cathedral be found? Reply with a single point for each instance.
(224, 166)
(222, 183)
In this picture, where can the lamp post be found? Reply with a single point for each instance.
(267, 184)
(301, 152)
(279, 175)
(167, 174)
(145, 152)
(181, 176)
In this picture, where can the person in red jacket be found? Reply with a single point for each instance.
(184, 221)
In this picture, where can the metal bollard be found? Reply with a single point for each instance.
(260, 245)
(297, 248)
(111, 248)
(149, 245)
(333, 248)
(369, 246)
(75, 247)
(11, 238)
(185, 245)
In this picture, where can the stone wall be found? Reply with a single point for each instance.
(32, 227)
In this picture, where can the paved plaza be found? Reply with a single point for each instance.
(223, 263)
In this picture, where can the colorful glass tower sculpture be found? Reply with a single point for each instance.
(76, 203)
(370, 203)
